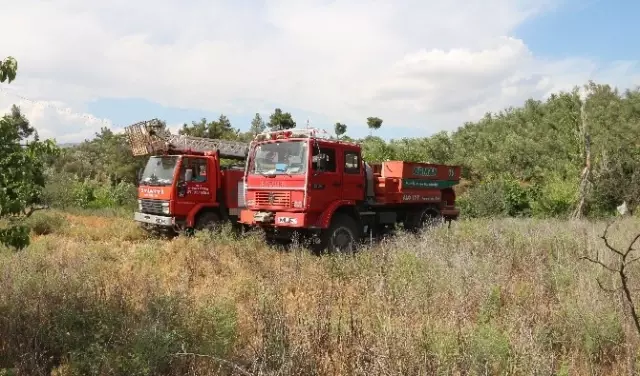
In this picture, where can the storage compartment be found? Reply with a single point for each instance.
(406, 182)
(414, 170)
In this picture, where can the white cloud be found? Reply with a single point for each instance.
(411, 62)
(55, 119)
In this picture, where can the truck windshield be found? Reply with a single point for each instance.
(280, 157)
(159, 171)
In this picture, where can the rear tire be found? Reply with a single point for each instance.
(342, 236)
(431, 218)
(424, 219)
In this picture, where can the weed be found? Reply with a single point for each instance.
(95, 296)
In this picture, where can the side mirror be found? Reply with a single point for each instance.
(188, 175)
(322, 163)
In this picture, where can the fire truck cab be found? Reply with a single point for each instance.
(184, 186)
(298, 182)
(187, 191)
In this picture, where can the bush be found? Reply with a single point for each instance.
(42, 223)
(556, 198)
(498, 197)
(484, 200)
(66, 190)
(505, 196)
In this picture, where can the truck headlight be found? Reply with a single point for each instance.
(140, 205)
(251, 202)
(297, 204)
(165, 208)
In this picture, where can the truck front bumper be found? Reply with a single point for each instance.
(157, 220)
(275, 219)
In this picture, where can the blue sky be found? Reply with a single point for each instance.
(599, 29)
(421, 65)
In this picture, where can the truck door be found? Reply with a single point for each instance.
(353, 176)
(195, 187)
(325, 186)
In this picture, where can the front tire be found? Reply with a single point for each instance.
(207, 221)
(341, 237)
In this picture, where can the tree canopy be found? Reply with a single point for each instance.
(217, 129)
(22, 163)
(257, 125)
(8, 69)
(280, 120)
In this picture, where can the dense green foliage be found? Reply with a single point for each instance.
(218, 129)
(281, 120)
(8, 69)
(22, 161)
(340, 129)
(257, 125)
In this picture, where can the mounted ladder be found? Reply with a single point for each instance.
(152, 137)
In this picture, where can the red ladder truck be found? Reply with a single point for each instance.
(299, 182)
(183, 185)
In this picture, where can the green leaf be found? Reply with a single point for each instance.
(8, 69)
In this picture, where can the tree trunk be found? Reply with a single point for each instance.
(586, 172)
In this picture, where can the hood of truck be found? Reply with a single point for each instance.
(154, 193)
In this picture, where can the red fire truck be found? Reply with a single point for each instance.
(299, 182)
(183, 185)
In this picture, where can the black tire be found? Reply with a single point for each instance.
(430, 218)
(423, 219)
(207, 221)
(342, 236)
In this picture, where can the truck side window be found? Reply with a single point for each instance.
(329, 155)
(199, 167)
(351, 162)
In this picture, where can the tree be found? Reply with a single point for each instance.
(374, 123)
(8, 69)
(22, 179)
(257, 125)
(106, 158)
(340, 129)
(218, 129)
(281, 120)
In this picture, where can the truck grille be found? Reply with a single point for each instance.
(282, 199)
(152, 206)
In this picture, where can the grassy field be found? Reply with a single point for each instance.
(505, 297)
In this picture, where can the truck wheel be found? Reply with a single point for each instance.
(207, 221)
(430, 218)
(342, 235)
(420, 220)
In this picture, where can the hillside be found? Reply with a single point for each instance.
(523, 161)
(487, 297)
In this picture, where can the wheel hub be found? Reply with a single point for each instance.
(342, 239)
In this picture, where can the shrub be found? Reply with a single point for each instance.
(556, 198)
(65, 190)
(42, 223)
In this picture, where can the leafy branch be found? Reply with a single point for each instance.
(8, 69)
(21, 168)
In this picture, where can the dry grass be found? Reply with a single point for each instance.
(507, 297)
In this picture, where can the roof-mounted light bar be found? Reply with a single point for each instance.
(290, 133)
